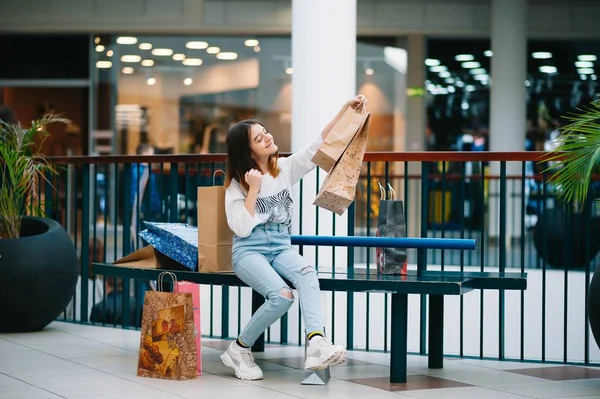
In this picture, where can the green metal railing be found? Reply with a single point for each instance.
(500, 199)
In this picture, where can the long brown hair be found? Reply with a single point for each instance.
(239, 154)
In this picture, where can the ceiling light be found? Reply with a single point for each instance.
(196, 45)
(97, 40)
(256, 49)
(369, 71)
(126, 40)
(481, 77)
(127, 70)
(165, 52)
(585, 71)
(192, 62)
(541, 55)
(584, 64)
(145, 46)
(131, 58)
(470, 64)
(488, 53)
(449, 80)
(464, 57)
(432, 62)
(188, 81)
(148, 63)
(251, 42)
(464, 106)
(151, 81)
(103, 64)
(444, 74)
(548, 69)
(451, 89)
(587, 57)
(438, 68)
(583, 77)
(213, 50)
(99, 48)
(470, 88)
(477, 71)
(594, 77)
(459, 83)
(109, 53)
(178, 57)
(289, 71)
(227, 56)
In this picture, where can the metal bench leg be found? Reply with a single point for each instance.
(315, 377)
(399, 338)
(257, 301)
(436, 331)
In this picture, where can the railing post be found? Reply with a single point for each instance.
(85, 241)
(422, 253)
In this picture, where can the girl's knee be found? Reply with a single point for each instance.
(283, 300)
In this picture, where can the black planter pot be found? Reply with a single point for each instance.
(38, 275)
(594, 306)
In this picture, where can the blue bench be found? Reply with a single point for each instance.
(435, 284)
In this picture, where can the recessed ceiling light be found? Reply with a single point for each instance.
(548, 69)
(289, 70)
(432, 62)
(164, 52)
(369, 71)
(103, 64)
(464, 57)
(477, 71)
(97, 40)
(481, 77)
(594, 77)
(251, 43)
(196, 45)
(99, 48)
(227, 56)
(256, 49)
(126, 40)
(584, 64)
(131, 58)
(109, 53)
(127, 70)
(438, 68)
(151, 81)
(488, 53)
(471, 64)
(541, 55)
(213, 50)
(148, 63)
(192, 62)
(470, 88)
(585, 71)
(178, 57)
(188, 81)
(444, 74)
(587, 57)
(145, 46)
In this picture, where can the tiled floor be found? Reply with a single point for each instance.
(73, 361)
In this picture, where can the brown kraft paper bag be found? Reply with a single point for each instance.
(167, 342)
(339, 137)
(214, 235)
(339, 188)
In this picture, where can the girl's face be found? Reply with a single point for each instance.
(262, 144)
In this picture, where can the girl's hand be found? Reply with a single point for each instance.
(357, 102)
(254, 179)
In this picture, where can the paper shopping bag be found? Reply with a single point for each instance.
(194, 290)
(339, 137)
(214, 235)
(339, 188)
(391, 223)
(167, 347)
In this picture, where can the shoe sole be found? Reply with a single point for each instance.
(227, 361)
(337, 359)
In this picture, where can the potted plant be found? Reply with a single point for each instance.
(38, 261)
(578, 156)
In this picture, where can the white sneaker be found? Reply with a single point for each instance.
(321, 354)
(242, 362)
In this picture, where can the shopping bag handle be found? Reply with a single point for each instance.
(215, 175)
(392, 193)
(161, 278)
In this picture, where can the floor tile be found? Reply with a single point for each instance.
(462, 393)
(589, 382)
(491, 378)
(413, 382)
(6, 380)
(298, 362)
(560, 373)
(139, 395)
(370, 371)
(25, 391)
(548, 389)
(246, 392)
(105, 387)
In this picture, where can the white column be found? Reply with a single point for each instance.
(508, 103)
(324, 77)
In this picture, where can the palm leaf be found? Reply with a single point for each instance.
(577, 153)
